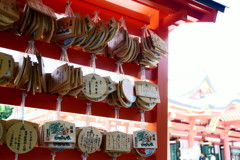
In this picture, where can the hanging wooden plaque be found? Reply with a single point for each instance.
(146, 89)
(21, 138)
(89, 140)
(40, 7)
(118, 142)
(9, 9)
(94, 86)
(59, 131)
(144, 139)
(3, 65)
(127, 88)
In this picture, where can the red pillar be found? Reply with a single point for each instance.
(161, 75)
(226, 147)
(191, 139)
(162, 113)
(192, 133)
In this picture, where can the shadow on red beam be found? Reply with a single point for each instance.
(70, 104)
(19, 43)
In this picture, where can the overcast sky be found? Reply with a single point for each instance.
(213, 47)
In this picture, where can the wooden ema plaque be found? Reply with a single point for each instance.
(21, 138)
(144, 139)
(59, 132)
(40, 7)
(158, 43)
(127, 88)
(11, 122)
(144, 142)
(146, 89)
(94, 86)
(117, 142)
(9, 9)
(147, 95)
(3, 65)
(89, 140)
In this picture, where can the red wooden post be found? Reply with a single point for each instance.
(226, 147)
(162, 113)
(225, 139)
(192, 133)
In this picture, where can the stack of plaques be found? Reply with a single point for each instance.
(31, 74)
(37, 21)
(66, 31)
(21, 137)
(124, 96)
(144, 143)
(65, 80)
(83, 33)
(100, 35)
(9, 14)
(116, 143)
(147, 95)
(59, 135)
(7, 69)
(123, 47)
(89, 140)
(152, 48)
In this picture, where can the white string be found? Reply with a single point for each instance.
(58, 108)
(121, 68)
(24, 95)
(93, 62)
(16, 156)
(120, 73)
(142, 113)
(88, 113)
(64, 55)
(31, 51)
(96, 17)
(143, 73)
(84, 156)
(68, 9)
(53, 154)
(116, 110)
(144, 30)
(114, 158)
(106, 125)
(122, 23)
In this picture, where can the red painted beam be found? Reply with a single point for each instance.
(107, 10)
(173, 18)
(124, 11)
(69, 104)
(39, 153)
